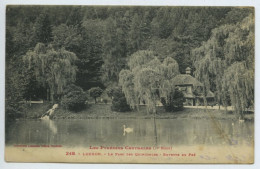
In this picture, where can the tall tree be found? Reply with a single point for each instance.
(66, 36)
(114, 54)
(217, 62)
(148, 79)
(42, 29)
(89, 74)
(54, 69)
(15, 88)
(75, 17)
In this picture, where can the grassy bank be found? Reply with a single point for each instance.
(104, 111)
(36, 110)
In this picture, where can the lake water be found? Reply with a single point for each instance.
(110, 132)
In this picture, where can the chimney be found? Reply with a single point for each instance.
(188, 70)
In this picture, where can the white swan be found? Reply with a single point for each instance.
(127, 130)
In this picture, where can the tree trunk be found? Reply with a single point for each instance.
(95, 100)
(242, 113)
(48, 94)
(205, 102)
(52, 96)
(205, 98)
(155, 130)
(137, 108)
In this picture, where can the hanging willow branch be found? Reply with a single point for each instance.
(148, 79)
(226, 61)
(53, 68)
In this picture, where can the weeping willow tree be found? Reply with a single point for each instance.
(225, 63)
(148, 79)
(240, 82)
(209, 68)
(54, 69)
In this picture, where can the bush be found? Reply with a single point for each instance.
(174, 101)
(95, 92)
(230, 112)
(109, 91)
(119, 101)
(12, 113)
(74, 98)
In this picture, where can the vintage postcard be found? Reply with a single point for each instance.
(129, 84)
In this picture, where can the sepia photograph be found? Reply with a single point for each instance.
(130, 84)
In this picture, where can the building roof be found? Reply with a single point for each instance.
(186, 79)
(210, 94)
(188, 68)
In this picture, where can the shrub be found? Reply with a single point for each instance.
(74, 98)
(230, 112)
(119, 101)
(95, 92)
(12, 113)
(109, 91)
(174, 101)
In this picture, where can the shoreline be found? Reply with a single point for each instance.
(103, 111)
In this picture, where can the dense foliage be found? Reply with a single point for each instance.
(53, 69)
(174, 101)
(95, 92)
(119, 102)
(74, 98)
(225, 63)
(48, 47)
(148, 79)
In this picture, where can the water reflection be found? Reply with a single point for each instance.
(51, 125)
(110, 132)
